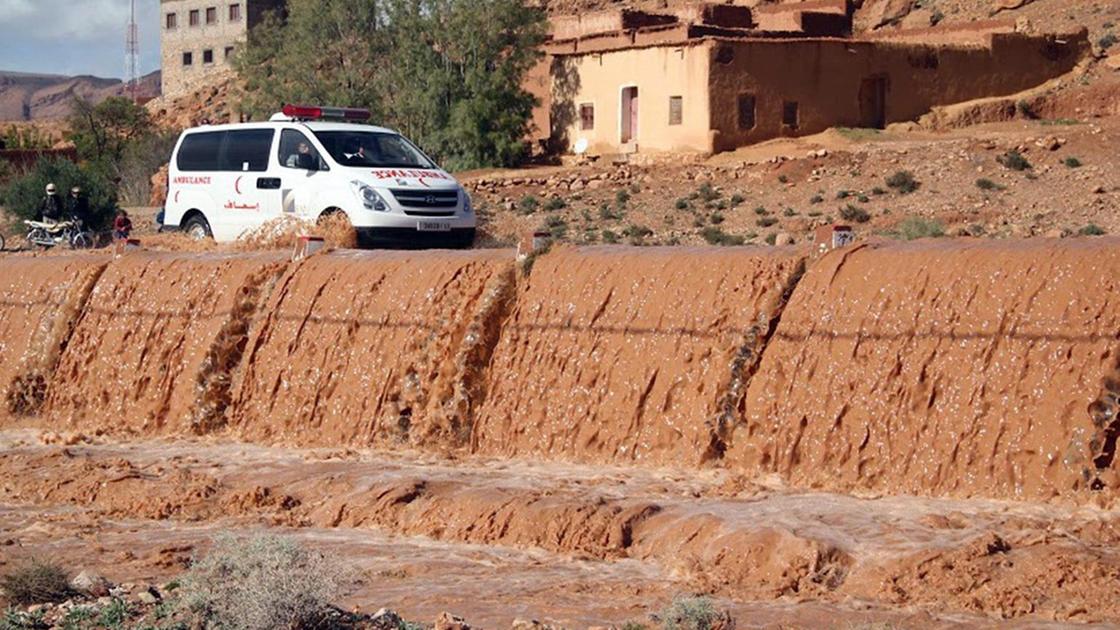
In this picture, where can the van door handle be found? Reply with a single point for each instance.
(268, 183)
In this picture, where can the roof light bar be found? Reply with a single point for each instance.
(315, 112)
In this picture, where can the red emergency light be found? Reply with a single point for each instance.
(315, 112)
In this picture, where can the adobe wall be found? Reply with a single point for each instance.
(824, 78)
(658, 72)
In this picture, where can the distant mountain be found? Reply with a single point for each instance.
(26, 96)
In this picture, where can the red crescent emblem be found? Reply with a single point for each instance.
(177, 195)
(420, 180)
(237, 185)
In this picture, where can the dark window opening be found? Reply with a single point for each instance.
(212, 15)
(194, 17)
(235, 12)
(172, 21)
(676, 110)
(746, 111)
(790, 114)
(208, 56)
(586, 117)
(229, 52)
(188, 59)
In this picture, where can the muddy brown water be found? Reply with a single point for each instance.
(745, 422)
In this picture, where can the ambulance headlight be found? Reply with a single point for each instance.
(467, 207)
(369, 197)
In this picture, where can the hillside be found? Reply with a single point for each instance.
(45, 97)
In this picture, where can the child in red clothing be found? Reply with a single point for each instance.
(122, 226)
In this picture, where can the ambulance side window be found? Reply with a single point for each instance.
(201, 151)
(294, 146)
(248, 149)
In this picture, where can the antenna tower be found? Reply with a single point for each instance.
(132, 55)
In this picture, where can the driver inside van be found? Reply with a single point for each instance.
(302, 158)
(355, 153)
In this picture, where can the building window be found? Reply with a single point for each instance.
(229, 52)
(676, 110)
(790, 114)
(746, 111)
(235, 12)
(188, 59)
(208, 56)
(194, 17)
(212, 15)
(586, 117)
(172, 21)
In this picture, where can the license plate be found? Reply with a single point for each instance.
(433, 226)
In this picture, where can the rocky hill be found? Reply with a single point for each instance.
(43, 96)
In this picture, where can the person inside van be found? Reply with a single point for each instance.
(355, 153)
(302, 158)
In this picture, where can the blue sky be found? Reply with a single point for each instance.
(75, 36)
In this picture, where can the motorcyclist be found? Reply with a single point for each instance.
(52, 207)
(78, 206)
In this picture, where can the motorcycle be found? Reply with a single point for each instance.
(47, 234)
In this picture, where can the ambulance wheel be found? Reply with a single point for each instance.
(197, 228)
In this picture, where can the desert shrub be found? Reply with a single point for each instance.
(39, 582)
(114, 615)
(843, 194)
(716, 236)
(986, 184)
(878, 191)
(761, 211)
(789, 212)
(1014, 161)
(903, 182)
(693, 613)
(914, 227)
(783, 179)
(635, 189)
(1072, 162)
(528, 204)
(1107, 41)
(609, 236)
(557, 226)
(737, 199)
(771, 238)
(1092, 230)
(634, 625)
(707, 193)
(554, 204)
(765, 221)
(22, 196)
(863, 199)
(606, 214)
(621, 197)
(1025, 110)
(717, 218)
(682, 204)
(261, 583)
(636, 231)
(854, 214)
(816, 199)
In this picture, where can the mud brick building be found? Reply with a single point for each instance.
(714, 77)
(198, 38)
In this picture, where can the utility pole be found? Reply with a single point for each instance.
(132, 55)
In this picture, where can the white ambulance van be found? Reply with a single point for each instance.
(310, 162)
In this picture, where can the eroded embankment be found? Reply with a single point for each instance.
(157, 341)
(374, 348)
(631, 355)
(41, 299)
(944, 368)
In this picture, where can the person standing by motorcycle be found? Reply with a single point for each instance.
(52, 207)
(78, 206)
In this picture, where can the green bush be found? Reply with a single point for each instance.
(1107, 41)
(1092, 230)
(716, 218)
(765, 222)
(986, 184)
(854, 214)
(635, 231)
(903, 182)
(815, 199)
(691, 613)
(23, 195)
(707, 193)
(914, 227)
(737, 199)
(843, 194)
(528, 204)
(554, 204)
(609, 236)
(682, 204)
(39, 582)
(261, 583)
(761, 211)
(715, 236)
(621, 197)
(1014, 161)
(1072, 162)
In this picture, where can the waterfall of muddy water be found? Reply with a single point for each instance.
(148, 354)
(41, 298)
(627, 354)
(942, 368)
(374, 348)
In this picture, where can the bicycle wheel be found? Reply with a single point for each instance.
(81, 240)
